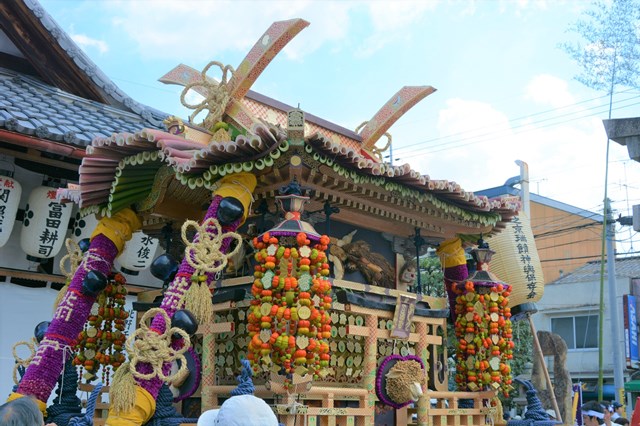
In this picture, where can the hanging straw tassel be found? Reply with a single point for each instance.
(124, 399)
(205, 256)
(197, 300)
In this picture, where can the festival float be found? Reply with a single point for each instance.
(300, 247)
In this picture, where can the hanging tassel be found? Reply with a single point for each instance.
(123, 393)
(197, 300)
(60, 296)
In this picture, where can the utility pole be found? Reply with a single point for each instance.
(613, 302)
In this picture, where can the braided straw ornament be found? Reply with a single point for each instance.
(217, 95)
(74, 258)
(375, 150)
(204, 254)
(148, 346)
(22, 362)
(206, 257)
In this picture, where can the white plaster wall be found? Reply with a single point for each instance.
(562, 300)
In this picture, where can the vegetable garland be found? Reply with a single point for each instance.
(288, 320)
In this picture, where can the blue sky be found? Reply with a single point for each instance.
(505, 89)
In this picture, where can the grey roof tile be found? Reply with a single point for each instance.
(31, 107)
(625, 267)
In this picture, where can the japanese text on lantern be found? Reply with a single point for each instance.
(6, 185)
(525, 259)
(144, 251)
(49, 234)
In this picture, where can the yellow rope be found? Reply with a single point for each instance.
(217, 96)
(24, 362)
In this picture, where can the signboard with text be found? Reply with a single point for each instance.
(631, 331)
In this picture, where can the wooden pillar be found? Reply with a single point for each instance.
(423, 353)
(371, 365)
(209, 399)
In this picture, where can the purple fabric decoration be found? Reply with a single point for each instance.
(451, 275)
(72, 312)
(153, 385)
(384, 368)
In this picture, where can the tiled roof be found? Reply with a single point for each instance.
(31, 107)
(113, 94)
(625, 267)
(500, 191)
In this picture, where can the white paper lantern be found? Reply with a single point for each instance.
(83, 227)
(10, 192)
(138, 253)
(45, 224)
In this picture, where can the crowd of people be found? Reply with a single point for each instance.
(602, 413)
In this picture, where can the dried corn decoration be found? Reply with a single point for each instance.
(288, 320)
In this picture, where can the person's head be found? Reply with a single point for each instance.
(593, 414)
(621, 421)
(617, 407)
(241, 410)
(21, 412)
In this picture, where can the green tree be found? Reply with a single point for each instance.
(610, 53)
(608, 57)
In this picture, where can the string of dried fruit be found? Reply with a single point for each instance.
(484, 333)
(100, 344)
(288, 321)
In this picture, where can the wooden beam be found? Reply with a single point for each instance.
(35, 156)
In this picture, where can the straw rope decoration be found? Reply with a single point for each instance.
(206, 257)
(22, 362)
(217, 95)
(149, 349)
(374, 149)
(74, 258)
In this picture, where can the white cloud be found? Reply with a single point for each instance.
(393, 15)
(86, 42)
(477, 147)
(549, 90)
(193, 30)
(390, 22)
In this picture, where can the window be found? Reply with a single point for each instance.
(580, 332)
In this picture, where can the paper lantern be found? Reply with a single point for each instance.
(10, 192)
(83, 227)
(45, 224)
(516, 261)
(138, 253)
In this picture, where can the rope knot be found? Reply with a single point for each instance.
(217, 95)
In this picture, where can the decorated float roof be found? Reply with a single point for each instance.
(170, 174)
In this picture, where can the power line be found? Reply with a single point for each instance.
(573, 228)
(490, 136)
(595, 256)
(524, 117)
